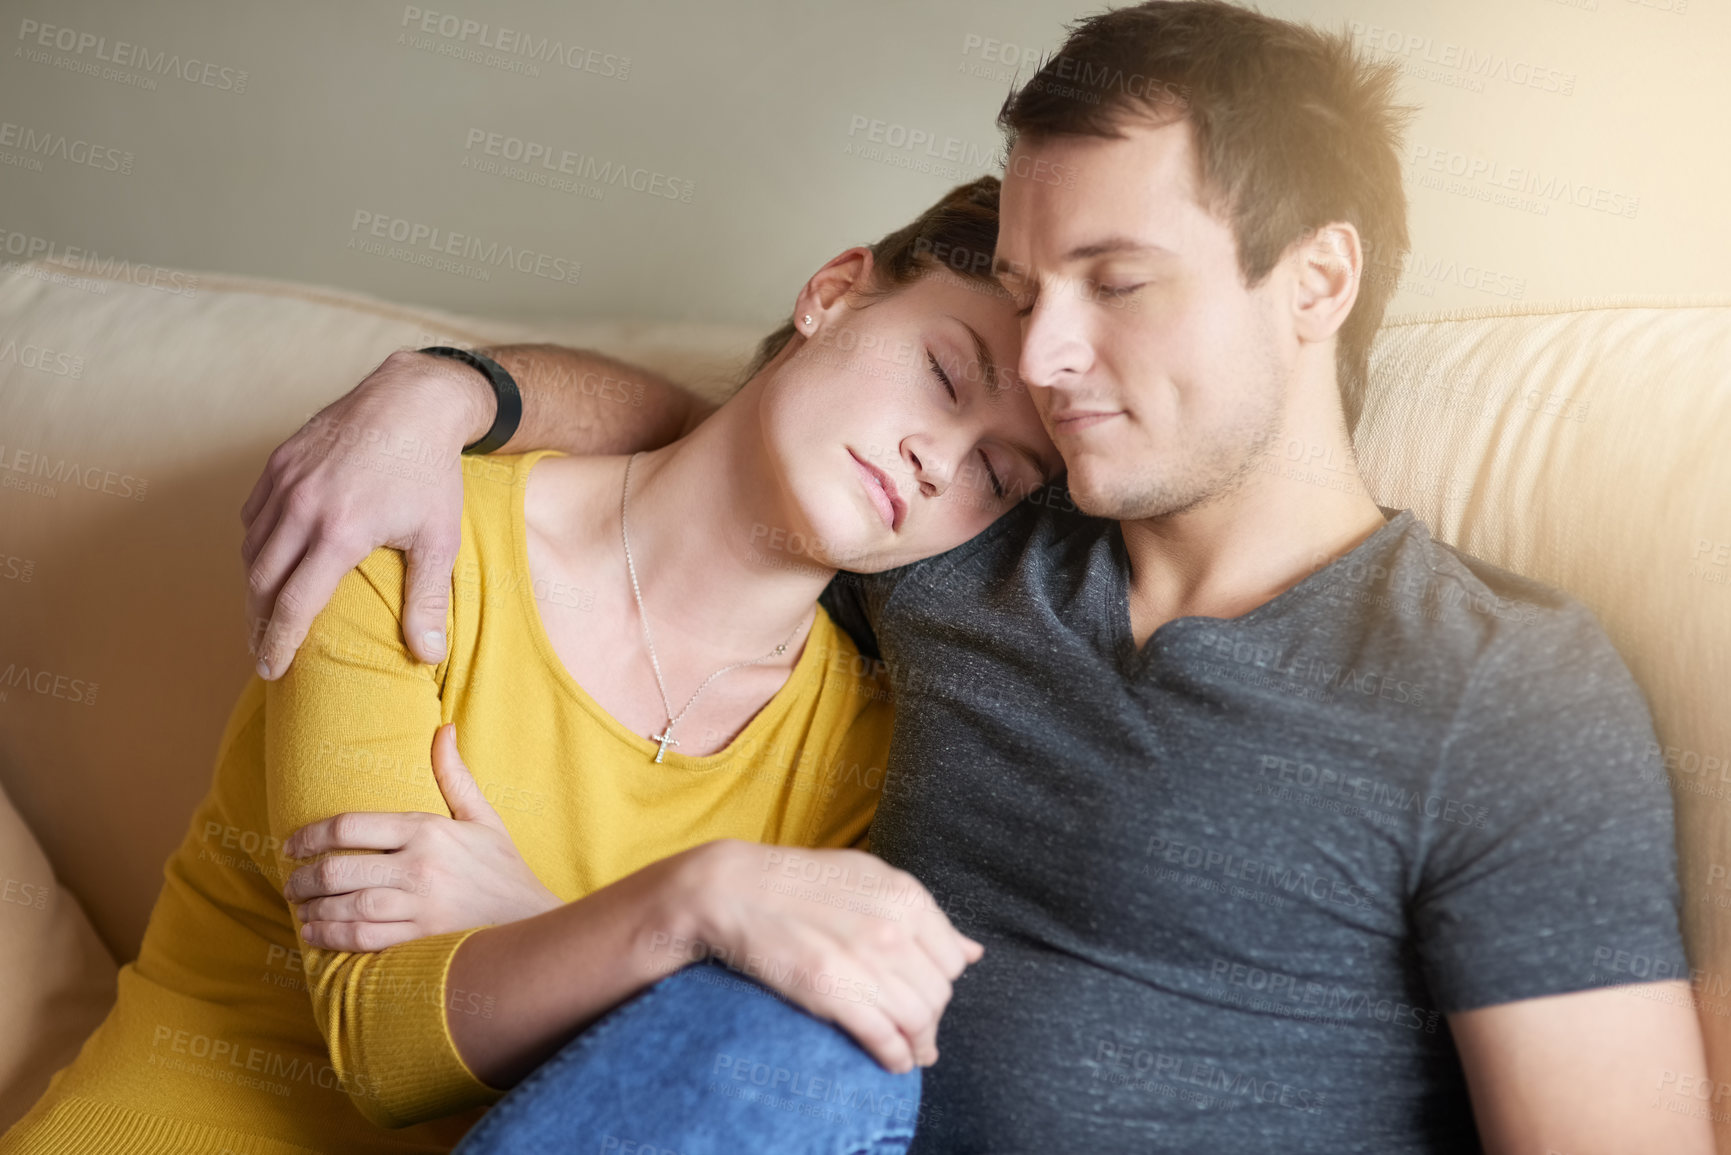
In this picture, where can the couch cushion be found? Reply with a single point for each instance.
(56, 977)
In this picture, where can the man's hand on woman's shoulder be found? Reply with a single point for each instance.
(379, 466)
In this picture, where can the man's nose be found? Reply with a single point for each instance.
(1052, 347)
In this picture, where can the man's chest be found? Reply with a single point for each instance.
(1174, 819)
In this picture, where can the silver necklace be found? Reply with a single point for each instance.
(666, 736)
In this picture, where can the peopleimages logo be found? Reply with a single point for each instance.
(924, 141)
(26, 247)
(58, 146)
(510, 42)
(1545, 186)
(21, 469)
(580, 165)
(1472, 63)
(37, 35)
(48, 683)
(428, 243)
(41, 358)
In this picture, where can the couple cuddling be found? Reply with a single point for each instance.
(965, 679)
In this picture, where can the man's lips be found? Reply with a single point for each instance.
(1074, 420)
(882, 492)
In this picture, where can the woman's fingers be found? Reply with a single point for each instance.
(933, 989)
(946, 946)
(373, 904)
(881, 972)
(856, 1007)
(941, 954)
(881, 969)
(900, 997)
(462, 793)
(342, 873)
(354, 830)
(917, 984)
(878, 1035)
(358, 936)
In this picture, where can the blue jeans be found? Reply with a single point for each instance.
(705, 1062)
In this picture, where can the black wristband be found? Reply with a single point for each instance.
(510, 402)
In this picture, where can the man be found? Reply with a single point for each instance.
(1285, 827)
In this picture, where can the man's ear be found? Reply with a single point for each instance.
(824, 293)
(1330, 262)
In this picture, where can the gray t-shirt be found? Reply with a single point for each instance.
(1230, 884)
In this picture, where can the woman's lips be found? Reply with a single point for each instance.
(882, 492)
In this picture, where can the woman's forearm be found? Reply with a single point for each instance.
(545, 977)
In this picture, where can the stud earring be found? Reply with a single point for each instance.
(808, 320)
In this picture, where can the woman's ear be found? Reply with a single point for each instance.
(829, 286)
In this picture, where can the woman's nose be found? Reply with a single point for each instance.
(933, 467)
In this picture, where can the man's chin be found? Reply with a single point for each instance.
(1100, 492)
(1125, 498)
(1096, 503)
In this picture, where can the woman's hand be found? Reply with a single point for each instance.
(839, 932)
(438, 874)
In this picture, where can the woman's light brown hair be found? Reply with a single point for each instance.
(956, 235)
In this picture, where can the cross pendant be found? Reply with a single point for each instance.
(666, 740)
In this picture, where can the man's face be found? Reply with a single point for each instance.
(1159, 375)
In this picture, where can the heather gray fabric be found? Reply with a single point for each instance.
(1230, 885)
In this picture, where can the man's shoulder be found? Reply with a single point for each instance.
(1506, 596)
(1046, 524)
(1507, 624)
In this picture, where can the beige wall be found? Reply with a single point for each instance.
(742, 123)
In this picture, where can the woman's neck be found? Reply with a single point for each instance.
(705, 516)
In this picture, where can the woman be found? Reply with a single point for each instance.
(655, 707)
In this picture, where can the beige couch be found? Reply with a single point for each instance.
(1587, 445)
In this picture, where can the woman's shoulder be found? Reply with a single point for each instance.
(491, 481)
(852, 724)
(846, 672)
(489, 521)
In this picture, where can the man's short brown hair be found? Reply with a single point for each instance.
(1293, 130)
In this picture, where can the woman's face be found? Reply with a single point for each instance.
(901, 428)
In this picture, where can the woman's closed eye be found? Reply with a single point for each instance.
(941, 375)
(997, 483)
(998, 488)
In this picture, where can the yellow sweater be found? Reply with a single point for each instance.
(227, 1037)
